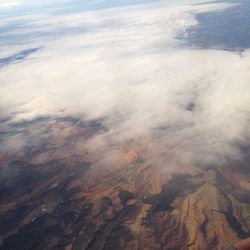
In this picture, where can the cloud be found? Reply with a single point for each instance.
(8, 4)
(126, 67)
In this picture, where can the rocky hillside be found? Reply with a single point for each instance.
(55, 196)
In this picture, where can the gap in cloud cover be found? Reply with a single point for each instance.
(129, 70)
(223, 30)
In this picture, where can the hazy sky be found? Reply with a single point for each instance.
(131, 66)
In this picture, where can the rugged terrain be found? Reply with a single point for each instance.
(54, 196)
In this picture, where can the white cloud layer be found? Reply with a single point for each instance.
(8, 4)
(125, 66)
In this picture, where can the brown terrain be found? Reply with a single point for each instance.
(55, 196)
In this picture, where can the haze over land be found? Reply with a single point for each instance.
(137, 111)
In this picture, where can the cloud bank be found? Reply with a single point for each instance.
(6, 5)
(126, 67)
